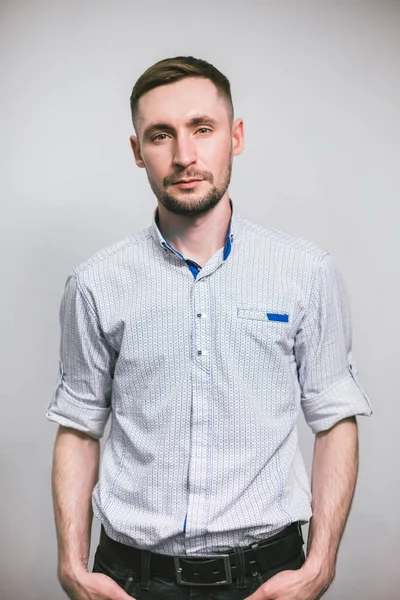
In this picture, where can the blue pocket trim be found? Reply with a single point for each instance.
(277, 317)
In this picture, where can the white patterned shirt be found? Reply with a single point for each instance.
(204, 371)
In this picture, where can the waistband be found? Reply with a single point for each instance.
(215, 569)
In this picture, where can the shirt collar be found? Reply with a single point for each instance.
(231, 237)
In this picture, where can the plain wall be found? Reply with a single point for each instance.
(318, 87)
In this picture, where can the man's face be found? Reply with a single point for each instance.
(184, 133)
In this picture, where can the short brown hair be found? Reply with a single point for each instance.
(170, 70)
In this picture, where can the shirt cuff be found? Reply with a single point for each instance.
(69, 412)
(343, 399)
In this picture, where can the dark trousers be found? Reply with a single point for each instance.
(169, 589)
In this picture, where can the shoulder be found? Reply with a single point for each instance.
(282, 241)
(115, 257)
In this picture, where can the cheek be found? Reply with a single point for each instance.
(218, 161)
(218, 151)
(156, 164)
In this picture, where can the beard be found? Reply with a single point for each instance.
(190, 206)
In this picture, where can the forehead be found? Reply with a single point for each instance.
(179, 101)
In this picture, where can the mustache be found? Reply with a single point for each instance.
(170, 179)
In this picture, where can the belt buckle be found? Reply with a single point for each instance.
(227, 568)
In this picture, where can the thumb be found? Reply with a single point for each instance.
(117, 593)
(121, 595)
(261, 593)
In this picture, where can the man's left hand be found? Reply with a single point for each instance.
(291, 585)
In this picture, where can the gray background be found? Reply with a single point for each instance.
(317, 84)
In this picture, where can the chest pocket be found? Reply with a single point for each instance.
(262, 315)
(269, 329)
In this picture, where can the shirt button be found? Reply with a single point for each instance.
(199, 352)
(199, 315)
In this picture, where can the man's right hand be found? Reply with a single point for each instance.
(93, 586)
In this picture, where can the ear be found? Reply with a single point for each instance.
(237, 137)
(136, 151)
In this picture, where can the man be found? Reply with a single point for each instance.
(203, 335)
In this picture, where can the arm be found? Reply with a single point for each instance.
(75, 473)
(334, 475)
(333, 481)
(331, 397)
(81, 405)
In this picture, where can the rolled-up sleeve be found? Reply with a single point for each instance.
(328, 378)
(82, 397)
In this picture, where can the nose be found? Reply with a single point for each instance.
(185, 151)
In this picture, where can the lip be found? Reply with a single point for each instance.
(187, 183)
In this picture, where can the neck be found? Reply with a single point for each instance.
(197, 237)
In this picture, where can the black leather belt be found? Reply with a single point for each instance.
(216, 569)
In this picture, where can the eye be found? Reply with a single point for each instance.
(159, 137)
(204, 130)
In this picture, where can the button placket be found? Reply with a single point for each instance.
(199, 465)
(201, 333)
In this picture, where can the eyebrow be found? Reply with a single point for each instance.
(200, 120)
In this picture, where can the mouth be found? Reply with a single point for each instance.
(187, 183)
